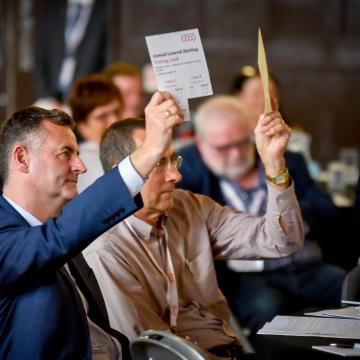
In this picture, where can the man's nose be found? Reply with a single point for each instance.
(78, 166)
(235, 151)
(172, 174)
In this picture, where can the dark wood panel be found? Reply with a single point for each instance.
(312, 47)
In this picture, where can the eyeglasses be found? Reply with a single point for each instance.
(167, 164)
(241, 144)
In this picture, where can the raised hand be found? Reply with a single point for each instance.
(272, 136)
(162, 114)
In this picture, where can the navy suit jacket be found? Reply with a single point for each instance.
(41, 314)
(316, 205)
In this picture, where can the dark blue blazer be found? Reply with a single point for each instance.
(315, 204)
(41, 314)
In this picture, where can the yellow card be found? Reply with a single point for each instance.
(264, 74)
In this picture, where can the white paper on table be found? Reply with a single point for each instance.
(180, 66)
(350, 312)
(338, 351)
(312, 326)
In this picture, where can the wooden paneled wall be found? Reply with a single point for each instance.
(313, 48)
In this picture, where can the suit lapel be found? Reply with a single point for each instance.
(86, 281)
(77, 297)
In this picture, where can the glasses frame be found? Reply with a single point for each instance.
(164, 164)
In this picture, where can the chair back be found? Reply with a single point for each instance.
(351, 285)
(157, 345)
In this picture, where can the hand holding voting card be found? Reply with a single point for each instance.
(180, 67)
(264, 74)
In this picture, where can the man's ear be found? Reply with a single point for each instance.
(21, 158)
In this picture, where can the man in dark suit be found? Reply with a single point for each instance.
(43, 225)
(72, 42)
(223, 165)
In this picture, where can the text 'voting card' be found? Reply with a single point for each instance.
(180, 67)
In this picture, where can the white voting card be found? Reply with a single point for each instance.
(180, 66)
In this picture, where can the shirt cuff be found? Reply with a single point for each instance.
(133, 181)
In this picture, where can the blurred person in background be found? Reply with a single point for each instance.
(72, 42)
(357, 199)
(224, 165)
(95, 104)
(127, 78)
(247, 86)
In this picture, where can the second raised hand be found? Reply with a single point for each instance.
(162, 114)
(272, 136)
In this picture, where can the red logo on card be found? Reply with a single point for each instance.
(188, 37)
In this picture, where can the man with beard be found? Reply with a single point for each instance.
(223, 164)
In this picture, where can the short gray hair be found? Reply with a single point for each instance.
(207, 108)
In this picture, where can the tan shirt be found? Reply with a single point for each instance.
(198, 230)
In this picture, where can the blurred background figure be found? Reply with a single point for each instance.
(95, 103)
(127, 78)
(68, 47)
(224, 165)
(357, 199)
(314, 95)
(247, 86)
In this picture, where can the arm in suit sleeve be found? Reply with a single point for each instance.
(26, 251)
